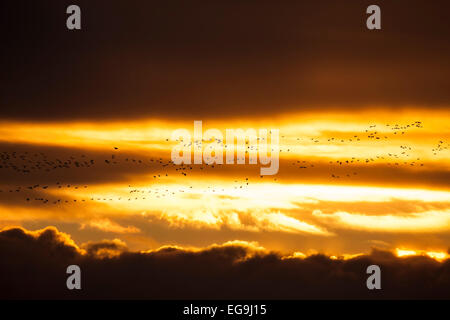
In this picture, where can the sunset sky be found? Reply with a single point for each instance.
(86, 120)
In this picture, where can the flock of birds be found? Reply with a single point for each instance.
(37, 163)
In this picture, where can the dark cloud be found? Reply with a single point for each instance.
(33, 266)
(230, 58)
(46, 164)
(123, 166)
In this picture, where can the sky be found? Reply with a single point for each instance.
(86, 123)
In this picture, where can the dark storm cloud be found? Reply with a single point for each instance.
(33, 266)
(222, 58)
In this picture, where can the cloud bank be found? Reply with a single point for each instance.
(33, 265)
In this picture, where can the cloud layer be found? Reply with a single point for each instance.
(33, 266)
(230, 58)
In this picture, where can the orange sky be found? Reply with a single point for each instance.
(347, 182)
(87, 116)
